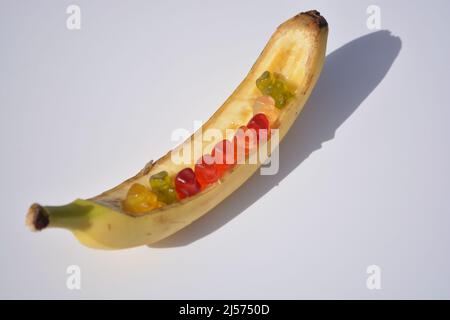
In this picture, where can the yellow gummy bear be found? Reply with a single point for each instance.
(140, 199)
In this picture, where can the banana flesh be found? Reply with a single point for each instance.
(296, 51)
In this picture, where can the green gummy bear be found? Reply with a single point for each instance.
(275, 86)
(162, 186)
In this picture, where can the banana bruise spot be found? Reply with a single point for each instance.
(37, 218)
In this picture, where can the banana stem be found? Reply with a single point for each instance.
(73, 216)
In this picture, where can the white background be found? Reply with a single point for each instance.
(364, 174)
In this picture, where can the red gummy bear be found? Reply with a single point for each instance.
(223, 153)
(186, 183)
(205, 171)
(258, 123)
(243, 141)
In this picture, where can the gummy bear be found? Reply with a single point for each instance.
(274, 85)
(140, 199)
(162, 186)
(266, 105)
(261, 125)
(244, 141)
(186, 183)
(264, 82)
(206, 171)
(223, 153)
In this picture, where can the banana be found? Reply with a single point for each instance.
(296, 51)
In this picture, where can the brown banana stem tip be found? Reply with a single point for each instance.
(321, 21)
(37, 218)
